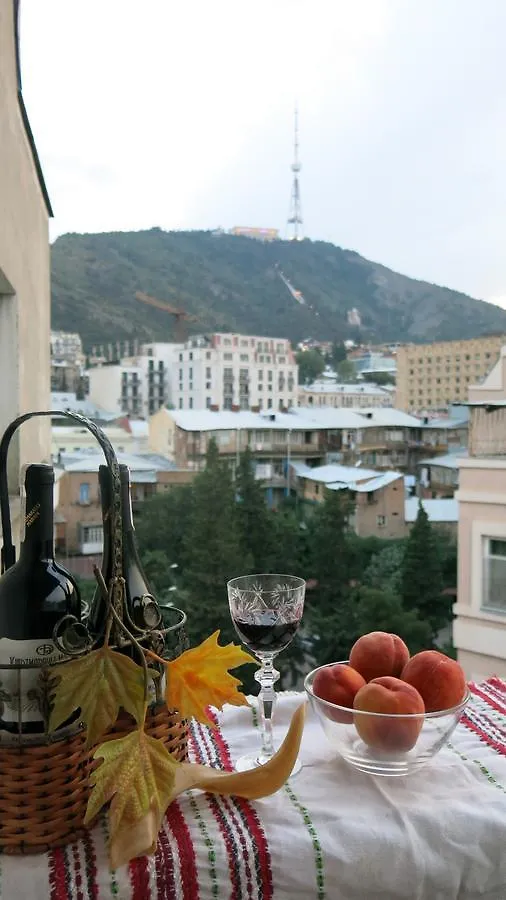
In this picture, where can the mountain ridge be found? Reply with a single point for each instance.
(232, 283)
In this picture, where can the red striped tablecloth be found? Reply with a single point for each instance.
(330, 834)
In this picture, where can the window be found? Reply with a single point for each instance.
(228, 356)
(269, 375)
(381, 521)
(180, 358)
(208, 371)
(92, 534)
(190, 403)
(228, 373)
(190, 373)
(317, 489)
(208, 355)
(180, 403)
(208, 402)
(260, 374)
(494, 575)
(180, 374)
(190, 355)
(269, 403)
(208, 385)
(244, 357)
(84, 493)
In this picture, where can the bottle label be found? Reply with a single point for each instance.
(25, 688)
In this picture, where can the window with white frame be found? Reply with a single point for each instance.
(494, 575)
(381, 521)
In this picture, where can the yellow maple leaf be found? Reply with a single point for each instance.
(99, 683)
(200, 678)
(137, 776)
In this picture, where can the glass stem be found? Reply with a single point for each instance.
(267, 676)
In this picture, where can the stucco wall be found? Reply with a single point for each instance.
(24, 270)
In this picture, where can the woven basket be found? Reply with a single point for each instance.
(44, 786)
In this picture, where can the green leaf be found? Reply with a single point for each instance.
(99, 684)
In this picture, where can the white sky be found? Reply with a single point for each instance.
(180, 114)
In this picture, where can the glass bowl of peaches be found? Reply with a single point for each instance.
(384, 712)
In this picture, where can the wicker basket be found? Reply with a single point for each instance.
(44, 786)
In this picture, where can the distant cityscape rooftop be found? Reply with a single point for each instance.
(329, 387)
(437, 510)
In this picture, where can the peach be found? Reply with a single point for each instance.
(379, 653)
(439, 679)
(392, 697)
(338, 684)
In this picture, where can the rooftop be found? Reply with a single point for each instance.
(345, 475)
(225, 420)
(333, 387)
(143, 466)
(437, 510)
(67, 402)
(447, 460)
(446, 423)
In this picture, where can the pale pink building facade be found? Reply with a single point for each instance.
(479, 630)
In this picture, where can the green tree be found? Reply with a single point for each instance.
(211, 550)
(162, 523)
(330, 608)
(380, 610)
(384, 570)
(421, 579)
(381, 378)
(338, 354)
(254, 519)
(346, 371)
(311, 365)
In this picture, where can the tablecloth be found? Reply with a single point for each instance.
(330, 833)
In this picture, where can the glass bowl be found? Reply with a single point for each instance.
(424, 733)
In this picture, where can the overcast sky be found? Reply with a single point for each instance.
(180, 114)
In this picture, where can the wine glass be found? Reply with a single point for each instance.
(266, 611)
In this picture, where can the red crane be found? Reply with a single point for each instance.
(180, 315)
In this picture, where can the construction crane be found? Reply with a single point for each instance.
(180, 315)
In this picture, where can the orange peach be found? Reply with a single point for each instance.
(338, 684)
(394, 698)
(439, 679)
(379, 653)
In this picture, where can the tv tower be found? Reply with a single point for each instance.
(295, 214)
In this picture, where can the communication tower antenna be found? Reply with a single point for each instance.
(295, 214)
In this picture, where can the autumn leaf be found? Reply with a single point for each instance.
(99, 683)
(137, 776)
(200, 678)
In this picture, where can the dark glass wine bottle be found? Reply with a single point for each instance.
(35, 594)
(141, 609)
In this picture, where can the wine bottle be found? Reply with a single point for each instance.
(141, 609)
(35, 594)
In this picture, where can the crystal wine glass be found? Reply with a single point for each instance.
(266, 611)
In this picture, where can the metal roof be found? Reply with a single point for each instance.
(67, 402)
(139, 464)
(446, 423)
(447, 460)
(244, 420)
(332, 474)
(376, 484)
(328, 417)
(437, 510)
(334, 388)
(389, 417)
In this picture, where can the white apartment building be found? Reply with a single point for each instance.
(235, 371)
(138, 385)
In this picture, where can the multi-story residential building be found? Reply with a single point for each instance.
(431, 376)
(24, 265)
(275, 440)
(445, 434)
(137, 385)
(235, 371)
(78, 512)
(378, 497)
(126, 436)
(323, 393)
(479, 630)
(439, 475)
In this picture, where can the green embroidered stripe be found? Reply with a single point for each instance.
(114, 886)
(483, 769)
(306, 818)
(208, 842)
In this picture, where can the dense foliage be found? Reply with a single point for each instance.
(216, 529)
(233, 284)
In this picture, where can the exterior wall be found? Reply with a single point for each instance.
(24, 270)
(478, 635)
(348, 396)
(493, 388)
(226, 371)
(74, 439)
(487, 434)
(442, 480)
(431, 376)
(381, 513)
(105, 387)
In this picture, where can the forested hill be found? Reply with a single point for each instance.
(233, 284)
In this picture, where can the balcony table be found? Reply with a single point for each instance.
(330, 834)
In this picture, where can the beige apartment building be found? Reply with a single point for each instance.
(431, 376)
(344, 395)
(479, 630)
(24, 263)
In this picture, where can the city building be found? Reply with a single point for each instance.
(235, 371)
(24, 266)
(328, 393)
(439, 475)
(368, 362)
(78, 515)
(445, 434)
(67, 362)
(479, 630)
(275, 440)
(126, 436)
(378, 497)
(432, 376)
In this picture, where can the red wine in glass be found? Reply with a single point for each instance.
(266, 633)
